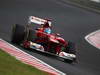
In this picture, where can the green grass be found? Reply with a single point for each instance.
(10, 66)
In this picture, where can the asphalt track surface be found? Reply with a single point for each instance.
(72, 22)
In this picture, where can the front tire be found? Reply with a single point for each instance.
(71, 48)
(31, 35)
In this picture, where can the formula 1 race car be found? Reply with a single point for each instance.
(38, 39)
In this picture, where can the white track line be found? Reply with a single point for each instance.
(87, 38)
(41, 62)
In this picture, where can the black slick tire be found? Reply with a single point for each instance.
(18, 33)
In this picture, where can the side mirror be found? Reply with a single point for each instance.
(57, 34)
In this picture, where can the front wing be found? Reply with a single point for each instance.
(63, 55)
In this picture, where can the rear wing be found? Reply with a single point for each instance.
(36, 20)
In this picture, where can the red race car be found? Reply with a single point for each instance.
(43, 40)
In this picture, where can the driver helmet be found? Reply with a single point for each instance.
(47, 30)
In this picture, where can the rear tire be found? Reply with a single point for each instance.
(18, 33)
